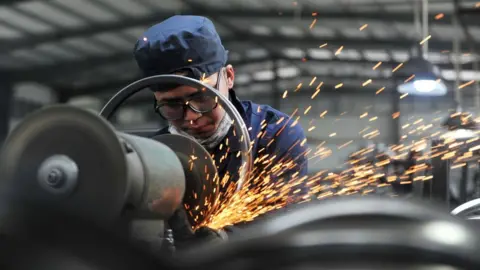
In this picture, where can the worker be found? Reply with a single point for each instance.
(190, 46)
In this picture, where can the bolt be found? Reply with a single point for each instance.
(55, 177)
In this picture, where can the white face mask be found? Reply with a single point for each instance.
(215, 139)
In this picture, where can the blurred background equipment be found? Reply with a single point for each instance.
(420, 76)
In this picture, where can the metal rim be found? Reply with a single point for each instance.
(121, 96)
(467, 208)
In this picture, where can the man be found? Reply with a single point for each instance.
(190, 46)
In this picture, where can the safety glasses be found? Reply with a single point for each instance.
(198, 102)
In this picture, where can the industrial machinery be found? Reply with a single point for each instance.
(454, 158)
(68, 160)
(377, 169)
(72, 188)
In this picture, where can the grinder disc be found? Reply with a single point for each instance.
(202, 183)
(67, 159)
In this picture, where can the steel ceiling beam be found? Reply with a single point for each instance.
(97, 28)
(118, 84)
(469, 11)
(109, 88)
(306, 77)
(106, 88)
(312, 42)
(47, 73)
(103, 88)
(7, 3)
(145, 100)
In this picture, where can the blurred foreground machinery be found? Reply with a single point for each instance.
(67, 160)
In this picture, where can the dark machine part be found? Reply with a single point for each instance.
(408, 172)
(350, 233)
(398, 174)
(54, 241)
(417, 186)
(463, 183)
(460, 120)
(437, 189)
(69, 160)
(203, 183)
(460, 183)
(338, 233)
(453, 187)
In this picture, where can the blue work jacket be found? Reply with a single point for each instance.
(264, 124)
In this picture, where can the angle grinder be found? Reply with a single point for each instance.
(71, 160)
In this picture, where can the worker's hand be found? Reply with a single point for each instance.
(184, 236)
(181, 228)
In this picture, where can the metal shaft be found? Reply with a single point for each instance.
(456, 61)
(418, 26)
(425, 27)
(476, 68)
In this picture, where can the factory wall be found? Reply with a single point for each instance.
(339, 125)
(27, 98)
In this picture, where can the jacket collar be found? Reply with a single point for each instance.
(234, 138)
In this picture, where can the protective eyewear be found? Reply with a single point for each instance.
(198, 102)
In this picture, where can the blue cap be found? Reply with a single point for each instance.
(181, 43)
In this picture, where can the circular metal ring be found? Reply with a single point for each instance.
(467, 208)
(121, 96)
